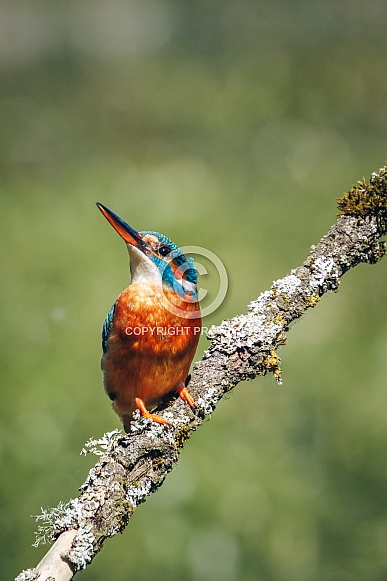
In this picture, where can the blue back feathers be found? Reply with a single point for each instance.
(107, 327)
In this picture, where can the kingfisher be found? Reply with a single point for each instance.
(151, 333)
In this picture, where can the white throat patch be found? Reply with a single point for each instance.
(142, 269)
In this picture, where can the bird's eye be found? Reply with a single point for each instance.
(164, 250)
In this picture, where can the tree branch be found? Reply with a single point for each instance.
(133, 466)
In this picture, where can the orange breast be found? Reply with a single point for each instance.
(150, 349)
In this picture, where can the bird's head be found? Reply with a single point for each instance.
(155, 259)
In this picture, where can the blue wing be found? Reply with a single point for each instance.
(107, 327)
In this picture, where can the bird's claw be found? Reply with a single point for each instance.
(146, 414)
(186, 396)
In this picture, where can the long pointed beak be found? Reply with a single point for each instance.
(126, 232)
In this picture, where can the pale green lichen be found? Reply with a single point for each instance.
(286, 286)
(206, 402)
(136, 492)
(49, 517)
(100, 446)
(63, 517)
(324, 269)
(28, 575)
(82, 548)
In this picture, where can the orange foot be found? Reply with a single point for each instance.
(186, 396)
(145, 414)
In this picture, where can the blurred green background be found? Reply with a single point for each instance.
(227, 125)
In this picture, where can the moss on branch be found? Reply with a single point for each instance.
(367, 199)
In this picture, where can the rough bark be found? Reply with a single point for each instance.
(135, 465)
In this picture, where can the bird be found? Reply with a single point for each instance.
(150, 335)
